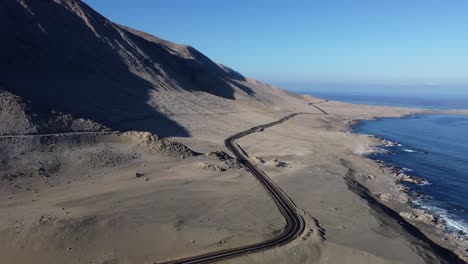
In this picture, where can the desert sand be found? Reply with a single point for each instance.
(122, 198)
(112, 151)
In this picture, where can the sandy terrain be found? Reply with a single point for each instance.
(78, 199)
(132, 197)
(324, 163)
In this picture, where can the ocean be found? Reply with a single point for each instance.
(435, 148)
(432, 147)
(432, 101)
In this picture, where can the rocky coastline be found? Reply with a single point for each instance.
(399, 196)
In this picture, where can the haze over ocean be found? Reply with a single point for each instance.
(417, 100)
(432, 147)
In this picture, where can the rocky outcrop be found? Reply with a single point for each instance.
(385, 197)
(13, 115)
(158, 145)
(420, 216)
(276, 163)
(222, 156)
(219, 155)
(412, 179)
(18, 117)
(210, 167)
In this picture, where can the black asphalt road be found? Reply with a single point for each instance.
(294, 222)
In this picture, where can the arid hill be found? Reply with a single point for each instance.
(61, 55)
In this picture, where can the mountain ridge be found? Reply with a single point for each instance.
(93, 68)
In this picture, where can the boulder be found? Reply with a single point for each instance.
(408, 215)
(278, 164)
(426, 218)
(210, 167)
(385, 197)
(229, 161)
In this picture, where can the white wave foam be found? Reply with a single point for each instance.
(389, 143)
(451, 224)
(425, 182)
(382, 151)
(409, 150)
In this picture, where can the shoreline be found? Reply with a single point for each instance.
(458, 109)
(324, 147)
(310, 157)
(400, 199)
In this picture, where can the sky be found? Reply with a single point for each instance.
(406, 44)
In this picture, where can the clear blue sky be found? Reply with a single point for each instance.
(396, 42)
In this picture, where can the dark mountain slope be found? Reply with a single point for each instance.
(62, 55)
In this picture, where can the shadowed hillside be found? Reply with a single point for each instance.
(61, 55)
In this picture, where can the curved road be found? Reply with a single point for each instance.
(294, 222)
(318, 108)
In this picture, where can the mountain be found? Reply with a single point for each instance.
(62, 56)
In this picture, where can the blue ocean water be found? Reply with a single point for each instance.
(433, 101)
(433, 147)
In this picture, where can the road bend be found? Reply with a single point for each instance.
(318, 108)
(294, 222)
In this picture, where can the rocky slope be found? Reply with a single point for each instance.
(62, 55)
(17, 118)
